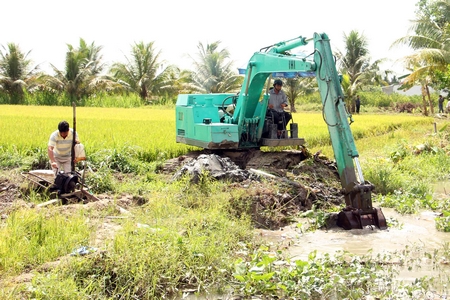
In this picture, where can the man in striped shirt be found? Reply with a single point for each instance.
(60, 148)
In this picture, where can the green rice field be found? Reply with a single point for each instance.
(152, 129)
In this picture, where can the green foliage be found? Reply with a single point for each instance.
(443, 222)
(81, 76)
(24, 159)
(115, 159)
(16, 74)
(400, 153)
(40, 159)
(317, 218)
(404, 203)
(144, 75)
(214, 71)
(383, 176)
(375, 98)
(63, 288)
(8, 160)
(43, 97)
(103, 99)
(264, 273)
(401, 184)
(100, 181)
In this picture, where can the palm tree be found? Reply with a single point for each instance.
(430, 38)
(373, 76)
(15, 72)
(214, 72)
(355, 61)
(295, 87)
(144, 72)
(82, 74)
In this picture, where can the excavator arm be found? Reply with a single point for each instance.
(359, 211)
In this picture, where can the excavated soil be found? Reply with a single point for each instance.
(279, 185)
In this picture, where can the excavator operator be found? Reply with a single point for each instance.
(277, 103)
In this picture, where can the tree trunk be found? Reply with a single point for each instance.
(292, 106)
(429, 100)
(424, 102)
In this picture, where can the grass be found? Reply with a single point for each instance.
(184, 237)
(31, 238)
(175, 242)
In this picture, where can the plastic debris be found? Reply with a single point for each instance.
(83, 250)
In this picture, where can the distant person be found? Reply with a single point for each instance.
(441, 104)
(357, 103)
(448, 106)
(60, 148)
(277, 103)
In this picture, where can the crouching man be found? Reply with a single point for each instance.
(60, 148)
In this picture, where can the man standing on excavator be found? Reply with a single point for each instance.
(277, 103)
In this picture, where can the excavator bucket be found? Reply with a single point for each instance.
(358, 219)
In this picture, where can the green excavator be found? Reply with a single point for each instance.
(206, 120)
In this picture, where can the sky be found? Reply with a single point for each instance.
(176, 27)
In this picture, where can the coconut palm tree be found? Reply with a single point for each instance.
(214, 72)
(354, 62)
(81, 76)
(295, 87)
(16, 73)
(373, 76)
(144, 72)
(429, 36)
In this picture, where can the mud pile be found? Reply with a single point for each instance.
(215, 166)
(279, 185)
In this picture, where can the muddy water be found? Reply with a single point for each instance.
(416, 232)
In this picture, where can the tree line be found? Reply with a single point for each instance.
(147, 76)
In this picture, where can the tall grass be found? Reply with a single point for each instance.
(403, 162)
(30, 238)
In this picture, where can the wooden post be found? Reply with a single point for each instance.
(74, 136)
